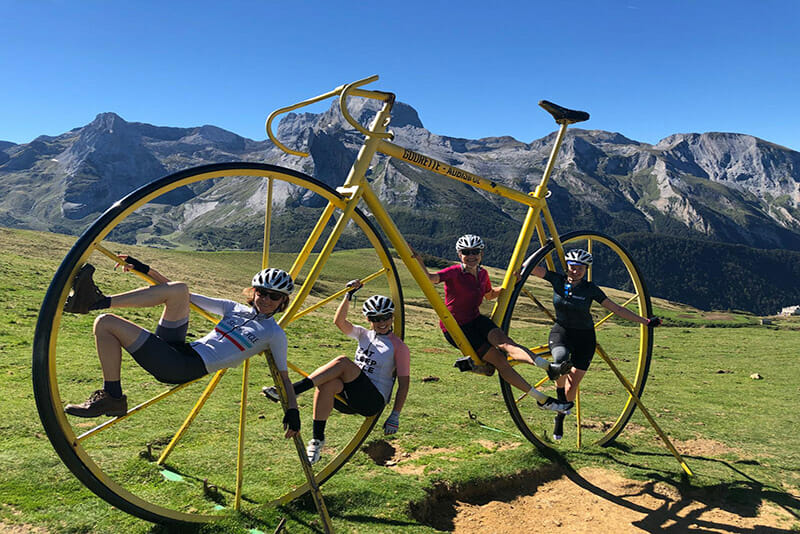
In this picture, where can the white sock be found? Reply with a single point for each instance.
(538, 395)
(541, 362)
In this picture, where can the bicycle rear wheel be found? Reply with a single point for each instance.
(197, 481)
(604, 406)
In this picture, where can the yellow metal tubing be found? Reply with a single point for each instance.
(543, 241)
(354, 123)
(311, 481)
(237, 500)
(316, 269)
(324, 96)
(578, 436)
(119, 260)
(551, 225)
(589, 249)
(404, 251)
(541, 190)
(336, 295)
(644, 410)
(308, 247)
(517, 257)
(212, 384)
(267, 225)
(454, 173)
(354, 178)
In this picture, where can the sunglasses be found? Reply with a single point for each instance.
(380, 318)
(470, 251)
(272, 295)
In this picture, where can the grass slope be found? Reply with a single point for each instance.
(455, 438)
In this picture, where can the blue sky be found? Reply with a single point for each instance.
(646, 69)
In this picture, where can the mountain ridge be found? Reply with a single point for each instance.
(715, 186)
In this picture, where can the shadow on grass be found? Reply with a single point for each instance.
(338, 507)
(742, 498)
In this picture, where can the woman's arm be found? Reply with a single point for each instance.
(433, 277)
(291, 399)
(403, 383)
(132, 264)
(292, 415)
(340, 318)
(539, 271)
(625, 313)
(493, 293)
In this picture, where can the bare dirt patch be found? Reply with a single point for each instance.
(707, 448)
(597, 500)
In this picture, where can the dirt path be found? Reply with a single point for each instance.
(600, 501)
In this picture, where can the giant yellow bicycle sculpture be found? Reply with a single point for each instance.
(114, 459)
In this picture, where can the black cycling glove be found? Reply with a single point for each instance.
(137, 265)
(291, 419)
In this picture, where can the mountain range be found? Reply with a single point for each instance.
(724, 189)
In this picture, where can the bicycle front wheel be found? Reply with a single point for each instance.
(143, 464)
(604, 405)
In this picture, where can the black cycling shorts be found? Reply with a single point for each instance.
(477, 333)
(579, 342)
(362, 396)
(167, 357)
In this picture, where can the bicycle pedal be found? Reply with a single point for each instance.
(464, 364)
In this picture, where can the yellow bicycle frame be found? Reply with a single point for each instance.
(356, 188)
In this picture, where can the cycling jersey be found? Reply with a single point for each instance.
(379, 356)
(241, 333)
(573, 303)
(463, 292)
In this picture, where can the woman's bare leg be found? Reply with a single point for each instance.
(323, 398)
(173, 295)
(573, 380)
(341, 367)
(111, 333)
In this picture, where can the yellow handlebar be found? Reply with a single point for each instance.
(351, 89)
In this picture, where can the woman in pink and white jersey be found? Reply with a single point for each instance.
(366, 384)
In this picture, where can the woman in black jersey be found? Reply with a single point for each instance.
(572, 336)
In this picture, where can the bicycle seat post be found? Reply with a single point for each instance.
(563, 117)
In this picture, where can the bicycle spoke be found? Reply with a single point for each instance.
(192, 414)
(336, 295)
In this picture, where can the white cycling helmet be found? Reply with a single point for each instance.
(274, 280)
(578, 255)
(377, 305)
(469, 241)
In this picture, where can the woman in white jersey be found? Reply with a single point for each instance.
(365, 384)
(243, 331)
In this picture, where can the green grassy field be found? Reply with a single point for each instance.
(455, 438)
